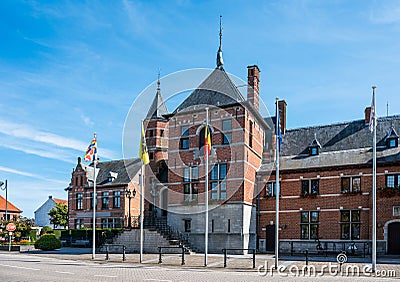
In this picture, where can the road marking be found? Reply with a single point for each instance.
(284, 265)
(368, 267)
(20, 267)
(157, 280)
(65, 272)
(216, 263)
(153, 260)
(108, 276)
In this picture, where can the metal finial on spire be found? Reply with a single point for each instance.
(220, 32)
(158, 80)
(220, 61)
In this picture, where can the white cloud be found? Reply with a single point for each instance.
(25, 132)
(386, 12)
(87, 120)
(28, 174)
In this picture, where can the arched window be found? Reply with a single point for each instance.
(201, 137)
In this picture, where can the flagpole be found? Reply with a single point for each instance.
(141, 200)
(277, 192)
(373, 111)
(206, 193)
(94, 202)
(141, 214)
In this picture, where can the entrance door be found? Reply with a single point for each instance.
(270, 238)
(394, 238)
(164, 202)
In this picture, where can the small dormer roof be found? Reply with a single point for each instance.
(392, 134)
(315, 142)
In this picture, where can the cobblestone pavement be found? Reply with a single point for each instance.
(64, 266)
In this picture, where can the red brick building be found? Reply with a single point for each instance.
(176, 182)
(113, 181)
(326, 186)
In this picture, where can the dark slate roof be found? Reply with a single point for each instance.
(336, 137)
(217, 90)
(158, 107)
(123, 170)
(344, 143)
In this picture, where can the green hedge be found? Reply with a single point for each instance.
(86, 234)
(48, 242)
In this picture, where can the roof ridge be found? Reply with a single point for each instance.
(341, 123)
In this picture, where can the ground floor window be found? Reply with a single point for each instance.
(309, 222)
(190, 192)
(350, 225)
(78, 223)
(110, 223)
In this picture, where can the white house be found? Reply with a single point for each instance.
(42, 217)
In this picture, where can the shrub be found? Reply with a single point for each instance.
(48, 242)
(46, 230)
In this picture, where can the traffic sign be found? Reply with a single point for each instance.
(11, 227)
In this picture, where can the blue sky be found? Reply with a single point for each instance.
(69, 68)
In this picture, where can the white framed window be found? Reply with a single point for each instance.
(396, 210)
(190, 183)
(351, 184)
(218, 183)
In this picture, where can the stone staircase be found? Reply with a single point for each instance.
(131, 239)
(174, 236)
(157, 233)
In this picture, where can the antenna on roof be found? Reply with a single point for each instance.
(220, 61)
(387, 108)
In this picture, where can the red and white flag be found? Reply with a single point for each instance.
(372, 117)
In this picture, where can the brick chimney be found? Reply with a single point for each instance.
(282, 114)
(367, 114)
(253, 87)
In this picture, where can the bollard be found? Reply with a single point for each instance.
(123, 253)
(183, 256)
(306, 257)
(291, 248)
(254, 258)
(159, 258)
(224, 251)
(107, 256)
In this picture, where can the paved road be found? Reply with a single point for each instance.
(28, 267)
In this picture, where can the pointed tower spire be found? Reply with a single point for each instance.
(158, 107)
(220, 61)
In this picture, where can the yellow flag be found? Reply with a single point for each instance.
(143, 153)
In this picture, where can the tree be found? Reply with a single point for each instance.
(59, 215)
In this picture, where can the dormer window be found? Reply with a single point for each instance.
(314, 147)
(392, 139)
(314, 151)
(112, 176)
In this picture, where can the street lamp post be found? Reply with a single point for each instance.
(130, 195)
(5, 188)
